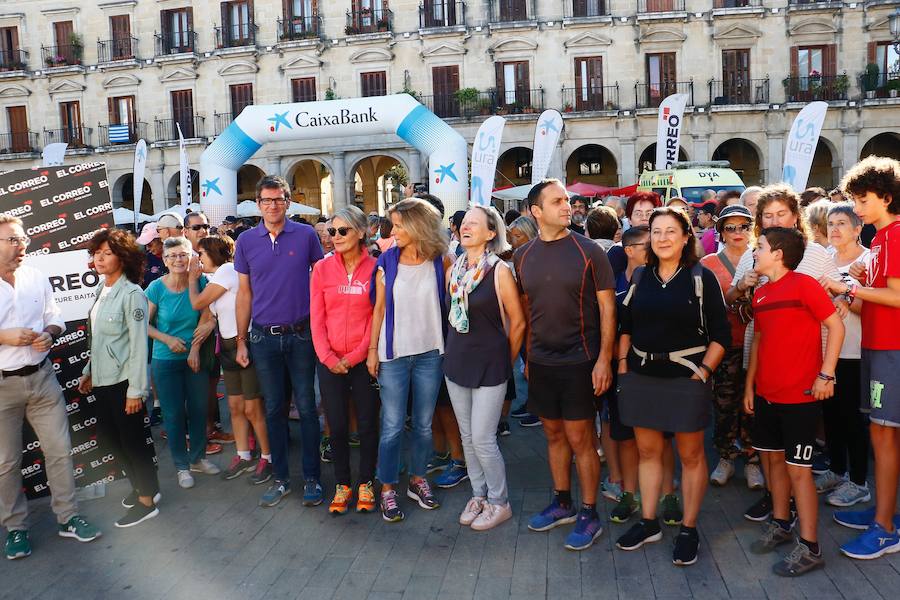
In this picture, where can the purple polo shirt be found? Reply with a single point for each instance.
(279, 271)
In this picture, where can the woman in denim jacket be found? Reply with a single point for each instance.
(117, 370)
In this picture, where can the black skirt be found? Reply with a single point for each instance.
(681, 404)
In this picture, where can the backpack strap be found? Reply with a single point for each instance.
(635, 280)
(697, 275)
(499, 296)
(723, 258)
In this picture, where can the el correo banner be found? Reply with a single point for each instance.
(668, 130)
(485, 150)
(546, 136)
(801, 145)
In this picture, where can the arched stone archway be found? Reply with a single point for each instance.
(513, 167)
(173, 188)
(592, 163)
(744, 159)
(647, 159)
(822, 171)
(125, 193)
(883, 144)
(311, 184)
(247, 178)
(372, 189)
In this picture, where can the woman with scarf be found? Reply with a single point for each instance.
(487, 326)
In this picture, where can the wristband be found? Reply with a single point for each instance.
(825, 377)
(706, 368)
(851, 292)
(242, 338)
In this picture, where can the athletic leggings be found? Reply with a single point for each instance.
(846, 429)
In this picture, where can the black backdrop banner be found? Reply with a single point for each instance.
(61, 208)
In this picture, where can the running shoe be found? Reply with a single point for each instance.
(185, 479)
(473, 508)
(627, 506)
(312, 493)
(340, 504)
(587, 529)
(645, 531)
(79, 529)
(276, 492)
(860, 519)
(353, 439)
(754, 476)
(552, 516)
(687, 545)
(722, 473)
(773, 535)
(420, 491)
(365, 498)
(491, 516)
(137, 514)
(519, 413)
(671, 510)
(828, 481)
(262, 473)
(800, 560)
(17, 544)
(213, 448)
(503, 429)
(530, 421)
(132, 499)
(848, 494)
(873, 543)
(438, 462)
(325, 451)
(453, 475)
(206, 467)
(390, 508)
(236, 468)
(221, 437)
(761, 510)
(611, 490)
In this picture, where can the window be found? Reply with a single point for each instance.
(18, 129)
(513, 85)
(810, 64)
(9, 48)
(589, 83)
(736, 76)
(887, 59)
(241, 97)
(373, 83)
(237, 22)
(303, 8)
(513, 10)
(445, 84)
(121, 110)
(660, 77)
(588, 8)
(439, 13)
(303, 89)
(177, 25)
(183, 114)
(63, 31)
(300, 16)
(70, 119)
(120, 27)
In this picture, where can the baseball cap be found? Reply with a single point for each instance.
(170, 220)
(708, 207)
(734, 210)
(148, 234)
(230, 219)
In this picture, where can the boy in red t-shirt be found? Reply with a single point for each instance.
(874, 185)
(789, 311)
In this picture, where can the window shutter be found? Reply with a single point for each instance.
(829, 60)
(501, 91)
(111, 110)
(795, 61)
(871, 49)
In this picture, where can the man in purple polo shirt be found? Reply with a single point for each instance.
(273, 261)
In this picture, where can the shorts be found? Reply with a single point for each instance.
(242, 383)
(788, 428)
(562, 392)
(880, 383)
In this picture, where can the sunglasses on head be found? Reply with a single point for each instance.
(735, 228)
(198, 227)
(340, 230)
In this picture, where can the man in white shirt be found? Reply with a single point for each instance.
(30, 321)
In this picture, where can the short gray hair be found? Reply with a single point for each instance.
(753, 189)
(845, 208)
(6, 219)
(526, 225)
(176, 242)
(495, 223)
(354, 217)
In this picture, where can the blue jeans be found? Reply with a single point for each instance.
(182, 397)
(278, 357)
(423, 373)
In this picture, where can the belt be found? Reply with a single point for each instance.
(678, 356)
(27, 370)
(298, 327)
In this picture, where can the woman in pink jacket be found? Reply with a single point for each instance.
(341, 318)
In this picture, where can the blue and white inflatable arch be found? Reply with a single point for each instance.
(352, 118)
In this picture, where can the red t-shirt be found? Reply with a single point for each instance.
(880, 323)
(788, 315)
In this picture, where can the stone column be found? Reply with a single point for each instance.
(849, 152)
(273, 166)
(158, 186)
(700, 147)
(339, 179)
(776, 158)
(628, 174)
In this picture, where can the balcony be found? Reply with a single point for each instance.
(880, 85)
(518, 102)
(221, 121)
(651, 95)
(123, 48)
(191, 127)
(586, 9)
(19, 142)
(176, 43)
(737, 7)
(814, 5)
(585, 99)
(816, 87)
(510, 14)
(236, 36)
(738, 91)
(16, 60)
(66, 55)
(442, 14)
(369, 20)
(297, 29)
(466, 103)
(655, 8)
(122, 134)
(77, 137)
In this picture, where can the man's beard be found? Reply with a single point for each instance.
(578, 219)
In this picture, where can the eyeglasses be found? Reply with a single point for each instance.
(744, 227)
(15, 242)
(271, 201)
(199, 226)
(639, 245)
(178, 256)
(340, 230)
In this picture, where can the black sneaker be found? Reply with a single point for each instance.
(325, 452)
(686, 544)
(390, 509)
(132, 499)
(503, 429)
(643, 532)
(155, 417)
(530, 421)
(671, 510)
(519, 413)
(137, 514)
(761, 509)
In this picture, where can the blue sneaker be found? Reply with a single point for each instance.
(453, 475)
(552, 516)
(437, 462)
(312, 493)
(859, 519)
(875, 542)
(587, 529)
(276, 491)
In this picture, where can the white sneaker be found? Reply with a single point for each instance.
(828, 481)
(206, 467)
(754, 476)
(848, 494)
(491, 516)
(473, 508)
(185, 479)
(723, 472)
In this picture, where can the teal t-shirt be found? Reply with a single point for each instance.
(174, 316)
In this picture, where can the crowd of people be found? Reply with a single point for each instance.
(630, 327)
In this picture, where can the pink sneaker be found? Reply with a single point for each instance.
(473, 508)
(491, 516)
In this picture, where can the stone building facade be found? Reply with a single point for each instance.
(99, 75)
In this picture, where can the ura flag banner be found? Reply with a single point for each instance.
(546, 136)
(801, 145)
(668, 130)
(485, 151)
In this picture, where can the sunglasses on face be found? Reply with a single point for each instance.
(199, 226)
(340, 230)
(735, 228)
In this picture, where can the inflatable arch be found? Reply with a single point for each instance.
(352, 118)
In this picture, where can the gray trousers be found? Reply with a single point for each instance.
(478, 413)
(39, 398)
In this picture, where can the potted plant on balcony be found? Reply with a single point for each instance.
(467, 99)
(789, 89)
(330, 94)
(870, 80)
(567, 107)
(383, 24)
(841, 85)
(351, 30)
(815, 84)
(893, 87)
(77, 47)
